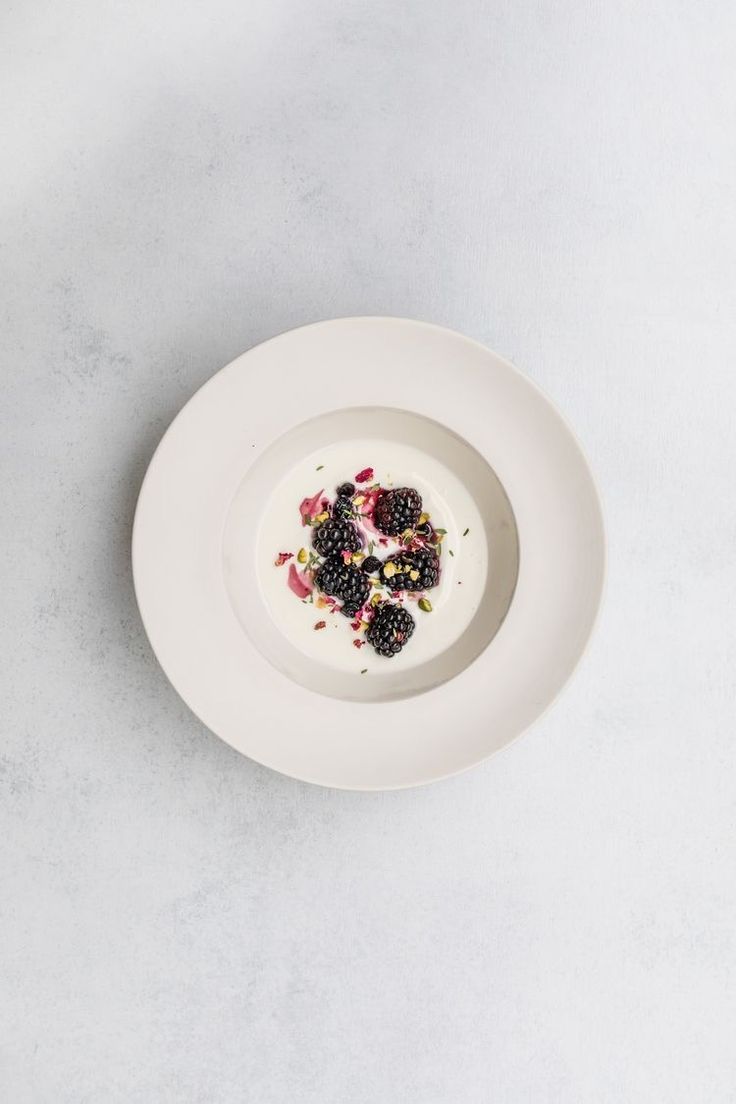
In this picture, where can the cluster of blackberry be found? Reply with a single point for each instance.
(411, 570)
(390, 629)
(396, 512)
(345, 581)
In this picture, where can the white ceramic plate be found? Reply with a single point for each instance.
(499, 470)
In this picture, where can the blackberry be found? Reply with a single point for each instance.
(397, 510)
(390, 629)
(343, 509)
(344, 581)
(345, 490)
(422, 563)
(370, 565)
(336, 535)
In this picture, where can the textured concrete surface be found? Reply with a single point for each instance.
(181, 181)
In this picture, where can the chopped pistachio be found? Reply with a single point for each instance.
(302, 555)
(425, 605)
(414, 575)
(423, 519)
(359, 500)
(389, 570)
(322, 517)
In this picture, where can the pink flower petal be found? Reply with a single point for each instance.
(298, 582)
(310, 507)
(364, 476)
(367, 509)
(283, 557)
(366, 523)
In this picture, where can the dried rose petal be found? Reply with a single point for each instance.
(364, 476)
(367, 511)
(298, 582)
(367, 526)
(320, 624)
(310, 507)
(283, 557)
(371, 496)
(358, 643)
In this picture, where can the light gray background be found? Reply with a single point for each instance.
(183, 180)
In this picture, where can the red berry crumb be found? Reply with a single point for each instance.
(320, 624)
(364, 476)
(358, 644)
(283, 557)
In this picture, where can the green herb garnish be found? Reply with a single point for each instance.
(320, 467)
(466, 532)
(451, 552)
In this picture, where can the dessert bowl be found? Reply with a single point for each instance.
(225, 564)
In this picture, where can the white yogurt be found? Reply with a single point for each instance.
(463, 573)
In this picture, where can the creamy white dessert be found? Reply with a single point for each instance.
(452, 603)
